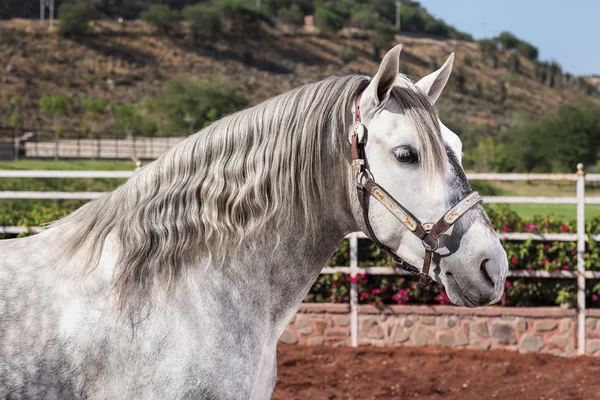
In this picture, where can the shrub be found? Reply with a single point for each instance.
(74, 19)
(244, 19)
(364, 16)
(527, 50)
(161, 16)
(191, 105)
(130, 121)
(327, 19)
(292, 15)
(205, 20)
(468, 60)
(347, 53)
(436, 27)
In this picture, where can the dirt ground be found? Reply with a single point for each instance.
(431, 373)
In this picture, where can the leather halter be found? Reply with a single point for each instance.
(428, 232)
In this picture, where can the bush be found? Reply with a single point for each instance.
(364, 16)
(436, 27)
(191, 105)
(292, 15)
(74, 19)
(327, 19)
(244, 19)
(347, 53)
(161, 16)
(527, 50)
(205, 20)
(514, 63)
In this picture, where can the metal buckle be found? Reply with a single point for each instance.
(357, 164)
(431, 243)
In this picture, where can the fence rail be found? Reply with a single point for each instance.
(580, 237)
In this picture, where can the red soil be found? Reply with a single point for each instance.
(431, 373)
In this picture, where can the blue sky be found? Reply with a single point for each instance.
(565, 31)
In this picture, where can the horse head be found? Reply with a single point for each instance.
(413, 196)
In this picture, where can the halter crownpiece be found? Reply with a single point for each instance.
(428, 232)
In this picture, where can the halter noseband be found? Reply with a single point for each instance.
(428, 232)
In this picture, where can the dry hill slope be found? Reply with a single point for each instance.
(130, 63)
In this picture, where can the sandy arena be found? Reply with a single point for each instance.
(431, 373)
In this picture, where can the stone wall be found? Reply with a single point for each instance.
(541, 330)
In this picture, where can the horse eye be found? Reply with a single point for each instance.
(406, 155)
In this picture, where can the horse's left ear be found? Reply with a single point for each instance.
(433, 84)
(386, 75)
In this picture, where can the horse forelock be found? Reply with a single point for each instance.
(424, 119)
(216, 191)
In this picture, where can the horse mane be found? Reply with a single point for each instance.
(217, 190)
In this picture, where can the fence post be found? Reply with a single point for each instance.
(353, 290)
(580, 260)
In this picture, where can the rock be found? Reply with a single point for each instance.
(531, 344)
(592, 346)
(288, 337)
(341, 320)
(479, 328)
(401, 335)
(521, 325)
(339, 332)
(504, 332)
(315, 341)
(428, 320)
(545, 325)
(409, 321)
(423, 336)
(564, 325)
(560, 341)
(590, 323)
(376, 332)
(320, 326)
(304, 327)
(446, 340)
(461, 337)
(452, 322)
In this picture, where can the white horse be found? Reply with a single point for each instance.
(178, 284)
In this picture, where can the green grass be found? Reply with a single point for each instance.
(68, 165)
(567, 211)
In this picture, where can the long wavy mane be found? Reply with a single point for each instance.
(219, 188)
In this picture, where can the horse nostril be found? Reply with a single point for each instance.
(486, 273)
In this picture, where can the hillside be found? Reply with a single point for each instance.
(130, 62)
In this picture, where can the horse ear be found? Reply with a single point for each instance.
(386, 74)
(433, 84)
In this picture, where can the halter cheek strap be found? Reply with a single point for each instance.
(428, 232)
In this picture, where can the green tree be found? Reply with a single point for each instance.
(187, 106)
(327, 19)
(527, 50)
(130, 120)
(292, 15)
(364, 16)
(94, 110)
(514, 63)
(508, 40)
(74, 19)
(55, 107)
(161, 16)
(243, 18)
(204, 19)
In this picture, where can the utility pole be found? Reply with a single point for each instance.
(398, 5)
(47, 5)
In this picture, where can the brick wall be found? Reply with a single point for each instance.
(543, 330)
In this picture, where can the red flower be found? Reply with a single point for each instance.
(564, 228)
(504, 229)
(513, 260)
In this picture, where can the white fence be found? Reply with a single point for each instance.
(580, 237)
